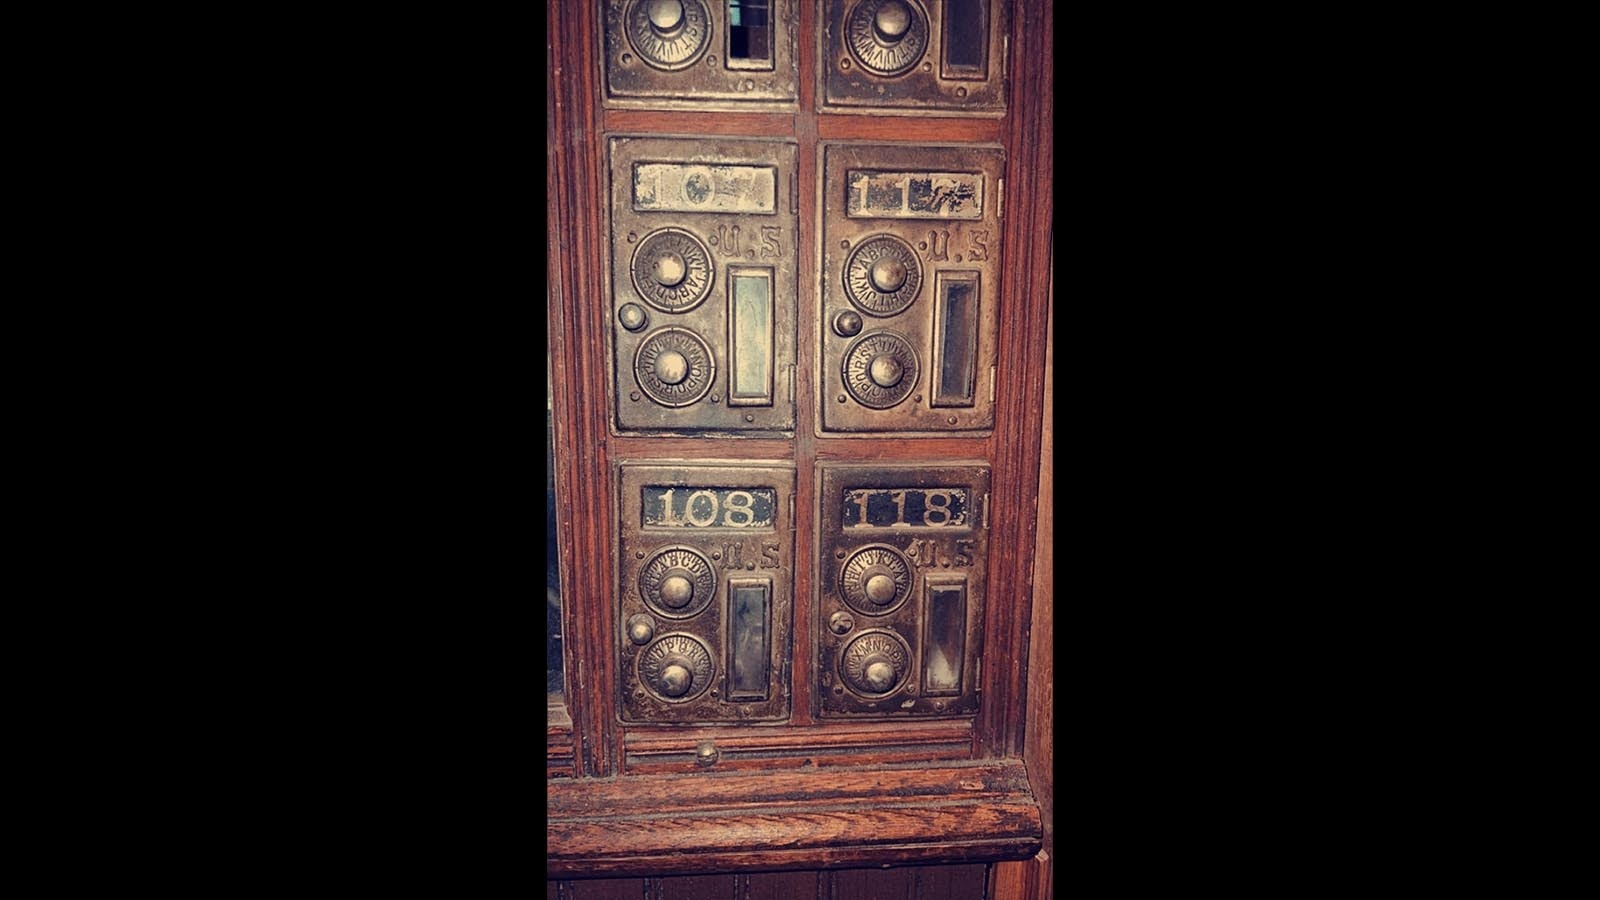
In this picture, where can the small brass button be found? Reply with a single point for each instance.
(676, 591)
(675, 680)
(632, 316)
(886, 371)
(892, 21)
(847, 324)
(706, 753)
(888, 274)
(672, 367)
(641, 629)
(841, 622)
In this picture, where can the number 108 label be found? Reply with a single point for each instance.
(692, 507)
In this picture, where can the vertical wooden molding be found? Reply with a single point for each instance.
(803, 629)
(1024, 313)
(1039, 739)
(584, 514)
(1018, 880)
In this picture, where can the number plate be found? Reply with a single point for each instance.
(680, 507)
(905, 508)
(705, 576)
(901, 569)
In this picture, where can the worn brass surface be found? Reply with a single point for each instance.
(693, 63)
(875, 567)
(912, 57)
(702, 285)
(900, 225)
(693, 539)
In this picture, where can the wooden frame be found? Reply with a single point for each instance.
(795, 767)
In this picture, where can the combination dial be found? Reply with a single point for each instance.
(880, 369)
(875, 663)
(875, 580)
(887, 37)
(672, 270)
(677, 582)
(674, 366)
(676, 668)
(668, 34)
(882, 275)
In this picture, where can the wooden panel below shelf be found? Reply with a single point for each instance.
(656, 751)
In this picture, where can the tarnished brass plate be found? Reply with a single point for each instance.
(702, 283)
(911, 241)
(912, 57)
(902, 557)
(705, 571)
(699, 55)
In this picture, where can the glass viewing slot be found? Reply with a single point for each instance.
(747, 637)
(955, 338)
(966, 40)
(945, 646)
(749, 35)
(750, 338)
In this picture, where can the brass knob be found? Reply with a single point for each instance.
(892, 21)
(676, 591)
(888, 274)
(641, 629)
(670, 269)
(666, 15)
(880, 588)
(880, 675)
(886, 371)
(706, 753)
(841, 622)
(676, 680)
(847, 324)
(632, 316)
(672, 367)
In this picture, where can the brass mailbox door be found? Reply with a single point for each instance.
(705, 568)
(902, 552)
(909, 288)
(912, 57)
(700, 54)
(702, 285)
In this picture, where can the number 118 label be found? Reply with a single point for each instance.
(905, 508)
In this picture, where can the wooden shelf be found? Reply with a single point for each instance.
(797, 819)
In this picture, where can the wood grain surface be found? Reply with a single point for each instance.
(815, 818)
